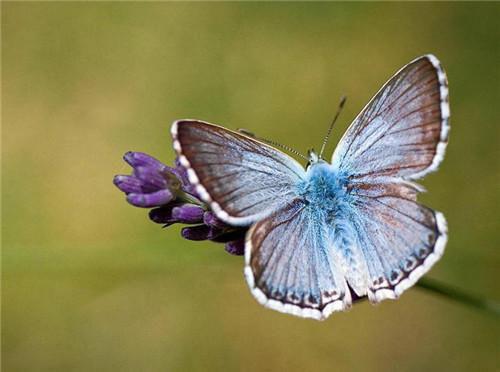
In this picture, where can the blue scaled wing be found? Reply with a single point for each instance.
(399, 238)
(290, 266)
(242, 179)
(400, 136)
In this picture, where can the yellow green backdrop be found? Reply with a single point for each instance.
(89, 284)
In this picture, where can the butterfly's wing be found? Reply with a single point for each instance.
(397, 239)
(290, 266)
(243, 180)
(403, 131)
(399, 136)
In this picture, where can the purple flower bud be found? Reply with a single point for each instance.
(214, 233)
(163, 215)
(210, 219)
(236, 247)
(151, 178)
(167, 190)
(128, 184)
(150, 200)
(199, 232)
(228, 235)
(152, 184)
(181, 172)
(188, 213)
(140, 159)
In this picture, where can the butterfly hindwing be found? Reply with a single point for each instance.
(399, 238)
(241, 178)
(289, 264)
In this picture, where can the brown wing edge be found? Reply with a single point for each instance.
(445, 117)
(393, 291)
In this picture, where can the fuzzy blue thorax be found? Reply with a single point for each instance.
(323, 188)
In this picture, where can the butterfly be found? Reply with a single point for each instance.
(321, 235)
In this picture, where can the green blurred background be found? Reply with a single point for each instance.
(89, 284)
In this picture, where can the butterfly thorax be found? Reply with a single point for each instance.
(323, 187)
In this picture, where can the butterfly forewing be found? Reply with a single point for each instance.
(403, 131)
(242, 179)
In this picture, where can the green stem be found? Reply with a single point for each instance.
(458, 295)
(186, 198)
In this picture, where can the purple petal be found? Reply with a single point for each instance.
(200, 232)
(214, 233)
(228, 235)
(154, 199)
(128, 184)
(191, 189)
(236, 247)
(163, 215)
(151, 177)
(188, 213)
(181, 172)
(209, 218)
(140, 159)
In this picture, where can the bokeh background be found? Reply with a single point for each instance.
(89, 284)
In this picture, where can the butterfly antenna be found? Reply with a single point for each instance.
(273, 143)
(325, 141)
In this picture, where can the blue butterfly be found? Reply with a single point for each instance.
(322, 234)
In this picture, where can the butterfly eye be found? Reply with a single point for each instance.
(313, 157)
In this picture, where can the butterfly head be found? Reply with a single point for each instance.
(313, 158)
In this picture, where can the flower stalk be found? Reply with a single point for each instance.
(460, 296)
